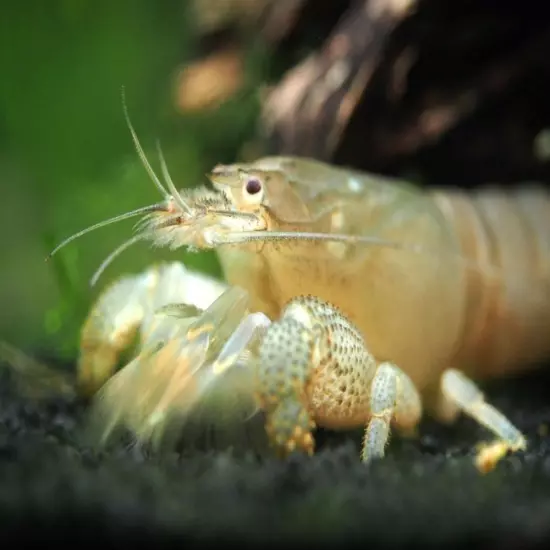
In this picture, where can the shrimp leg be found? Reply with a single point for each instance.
(128, 307)
(463, 394)
(393, 397)
(285, 368)
(315, 366)
(110, 327)
(185, 352)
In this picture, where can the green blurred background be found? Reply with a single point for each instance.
(66, 157)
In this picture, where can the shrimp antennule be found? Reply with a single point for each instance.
(161, 207)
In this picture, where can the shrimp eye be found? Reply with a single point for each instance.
(253, 186)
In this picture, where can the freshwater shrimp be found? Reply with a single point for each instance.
(363, 301)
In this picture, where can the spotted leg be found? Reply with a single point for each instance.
(393, 398)
(284, 369)
(315, 367)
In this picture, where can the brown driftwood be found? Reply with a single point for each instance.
(312, 106)
(454, 90)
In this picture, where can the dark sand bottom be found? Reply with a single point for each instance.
(427, 492)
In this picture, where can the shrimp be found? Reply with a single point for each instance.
(363, 301)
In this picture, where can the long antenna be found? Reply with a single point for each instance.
(139, 148)
(143, 210)
(171, 187)
(114, 254)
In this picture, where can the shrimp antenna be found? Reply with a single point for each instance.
(143, 210)
(114, 254)
(166, 174)
(139, 149)
(171, 187)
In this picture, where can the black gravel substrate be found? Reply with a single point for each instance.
(52, 489)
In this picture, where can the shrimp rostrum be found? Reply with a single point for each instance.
(350, 300)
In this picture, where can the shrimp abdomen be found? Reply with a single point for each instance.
(507, 301)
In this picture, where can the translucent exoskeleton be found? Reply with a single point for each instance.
(350, 300)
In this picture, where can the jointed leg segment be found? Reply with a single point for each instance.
(314, 362)
(393, 398)
(284, 371)
(468, 397)
(127, 308)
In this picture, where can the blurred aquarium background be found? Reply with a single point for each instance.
(66, 155)
(454, 94)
